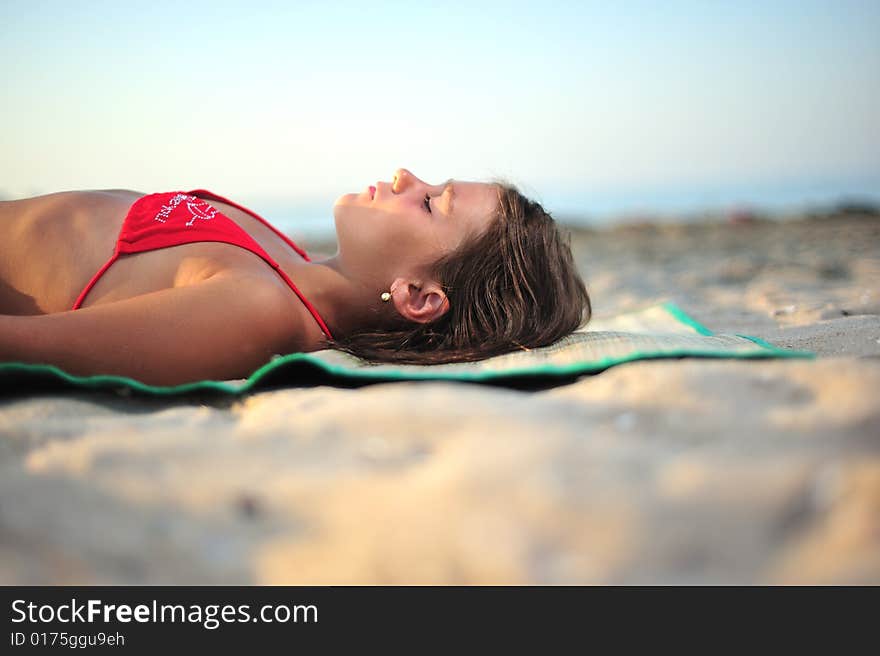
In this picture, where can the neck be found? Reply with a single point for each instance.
(344, 303)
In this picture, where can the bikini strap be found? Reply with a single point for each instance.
(311, 308)
(204, 192)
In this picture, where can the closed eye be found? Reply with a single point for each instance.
(427, 203)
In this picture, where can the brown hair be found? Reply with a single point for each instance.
(514, 287)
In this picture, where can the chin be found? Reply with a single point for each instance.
(344, 199)
(344, 205)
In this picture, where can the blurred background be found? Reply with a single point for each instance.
(604, 112)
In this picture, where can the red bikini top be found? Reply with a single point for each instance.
(181, 217)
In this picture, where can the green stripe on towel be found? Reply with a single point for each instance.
(658, 331)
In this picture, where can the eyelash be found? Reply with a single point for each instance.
(427, 203)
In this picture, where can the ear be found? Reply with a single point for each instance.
(418, 301)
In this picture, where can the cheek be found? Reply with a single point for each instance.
(372, 234)
(440, 240)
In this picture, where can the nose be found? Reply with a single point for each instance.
(401, 180)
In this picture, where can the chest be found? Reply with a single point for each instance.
(56, 244)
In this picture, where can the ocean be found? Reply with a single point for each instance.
(579, 208)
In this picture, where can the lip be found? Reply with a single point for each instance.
(372, 191)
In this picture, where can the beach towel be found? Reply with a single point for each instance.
(662, 330)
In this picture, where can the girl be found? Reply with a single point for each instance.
(180, 286)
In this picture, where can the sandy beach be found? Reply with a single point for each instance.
(654, 472)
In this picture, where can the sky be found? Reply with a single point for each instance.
(589, 107)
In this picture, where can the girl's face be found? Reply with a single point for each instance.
(407, 224)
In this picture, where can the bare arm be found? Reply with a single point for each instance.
(222, 328)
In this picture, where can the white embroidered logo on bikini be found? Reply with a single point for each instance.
(198, 208)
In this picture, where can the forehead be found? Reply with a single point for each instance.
(474, 202)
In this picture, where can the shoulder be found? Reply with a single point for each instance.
(270, 309)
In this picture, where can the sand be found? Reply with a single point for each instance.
(655, 472)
